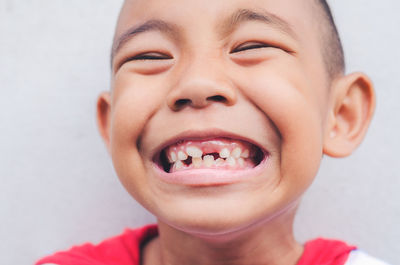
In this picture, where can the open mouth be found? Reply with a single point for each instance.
(217, 153)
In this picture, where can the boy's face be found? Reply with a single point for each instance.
(226, 73)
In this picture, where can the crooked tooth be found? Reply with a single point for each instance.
(236, 152)
(245, 153)
(194, 151)
(178, 165)
(182, 155)
(172, 157)
(224, 153)
(240, 162)
(208, 160)
(231, 161)
(197, 162)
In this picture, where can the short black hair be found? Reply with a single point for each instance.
(332, 48)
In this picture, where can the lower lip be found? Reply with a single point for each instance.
(210, 177)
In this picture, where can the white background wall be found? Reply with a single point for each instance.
(57, 184)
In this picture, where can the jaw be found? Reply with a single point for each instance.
(214, 233)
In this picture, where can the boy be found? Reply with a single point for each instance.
(217, 120)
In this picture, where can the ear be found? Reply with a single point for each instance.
(103, 117)
(351, 113)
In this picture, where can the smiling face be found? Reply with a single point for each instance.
(218, 111)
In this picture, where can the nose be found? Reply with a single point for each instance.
(199, 86)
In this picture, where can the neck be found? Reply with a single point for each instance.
(269, 243)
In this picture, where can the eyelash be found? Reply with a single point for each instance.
(250, 46)
(149, 56)
(159, 56)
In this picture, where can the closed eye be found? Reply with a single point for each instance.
(251, 46)
(149, 56)
(144, 57)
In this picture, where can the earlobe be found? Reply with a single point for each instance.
(352, 110)
(103, 117)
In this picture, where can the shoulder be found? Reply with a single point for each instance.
(122, 249)
(329, 251)
(325, 251)
(358, 257)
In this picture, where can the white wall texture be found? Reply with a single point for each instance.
(57, 185)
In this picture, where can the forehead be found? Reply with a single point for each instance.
(199, 21)
(203, 13)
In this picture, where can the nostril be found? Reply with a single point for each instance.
(197, 102)
(180, 103)
(217, 98)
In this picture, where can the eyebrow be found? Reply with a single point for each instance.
(244, 15)
(227, 26)
(150, 25)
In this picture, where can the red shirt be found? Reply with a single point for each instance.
(125, 250)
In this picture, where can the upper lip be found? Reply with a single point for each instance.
(191, 135)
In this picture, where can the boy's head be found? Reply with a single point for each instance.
(213, 79)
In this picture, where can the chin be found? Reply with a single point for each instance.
(223, 221)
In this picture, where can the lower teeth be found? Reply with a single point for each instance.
(209, 162)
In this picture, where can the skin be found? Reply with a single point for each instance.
(266, 82)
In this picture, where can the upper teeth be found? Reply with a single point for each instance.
(194, 151)
(182, 155)
(199, 155)
(172, 157)
(224, 153)
(236, 152)
(208, 160)
(245, 154)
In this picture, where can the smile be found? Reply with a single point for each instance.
(220, 153)
(209, 161)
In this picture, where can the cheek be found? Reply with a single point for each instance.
(135, 99)
(133, 104)
(123, 145)
(293, 109)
